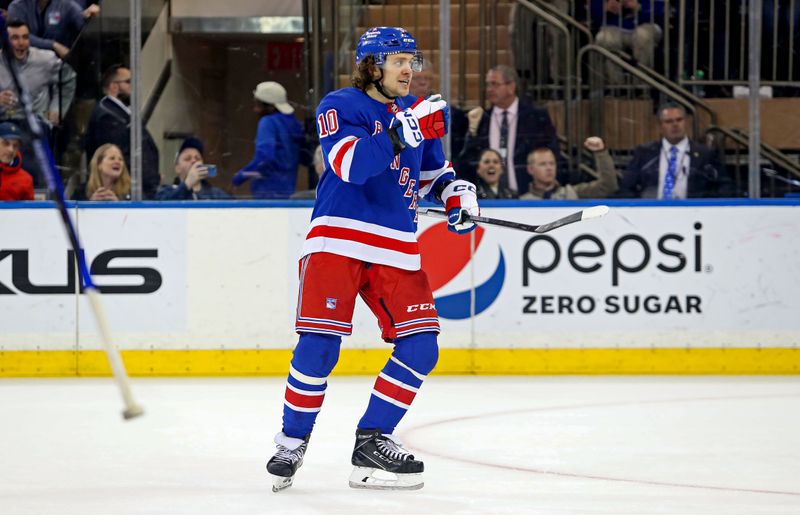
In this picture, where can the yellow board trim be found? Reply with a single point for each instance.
(271, 362)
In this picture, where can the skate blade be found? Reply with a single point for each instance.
(376, 479)
(281, 483)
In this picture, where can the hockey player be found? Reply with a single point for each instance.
(382, 153)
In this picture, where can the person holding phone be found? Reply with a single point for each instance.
(191, 175)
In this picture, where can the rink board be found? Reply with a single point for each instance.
(698, 287)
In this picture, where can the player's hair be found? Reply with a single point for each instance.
(362, 74)
(121, 188)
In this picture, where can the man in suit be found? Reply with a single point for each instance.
(111, 123)
(511, 126)
(674, 167)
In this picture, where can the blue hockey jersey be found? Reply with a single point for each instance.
(367, 197)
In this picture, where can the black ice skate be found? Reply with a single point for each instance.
(289, 457)
(381, 463)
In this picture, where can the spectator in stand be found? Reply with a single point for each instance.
(191, 176)
(54, 24)
(630, 26)
(109, 178)
(319, 167)
(110, 123)
(674, 167)
(15, 183)
(422, 87)
(273, 169)
(491, 183)
(511, 126)
(50, 83)
(545, 186)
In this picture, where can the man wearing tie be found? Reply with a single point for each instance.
(674, 167)
(511, 126)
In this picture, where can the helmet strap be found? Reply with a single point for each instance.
(379, 87)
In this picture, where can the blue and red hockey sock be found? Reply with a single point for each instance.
(314, 358)
(396, 386)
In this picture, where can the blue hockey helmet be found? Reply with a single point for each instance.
(382, 41)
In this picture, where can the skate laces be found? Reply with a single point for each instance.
(393, 447)
(289, 456)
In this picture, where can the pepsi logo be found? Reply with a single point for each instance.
(445, 260)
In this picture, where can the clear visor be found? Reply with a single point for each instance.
(400, 60)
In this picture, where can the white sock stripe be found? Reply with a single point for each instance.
(390, 400)
(397, 382)
(304, 392)
(414, 372)
(317, 381)
(297, 408)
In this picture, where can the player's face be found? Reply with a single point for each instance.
(542, 167)
(397, 74)
(185, 161)
(673, 125)
(111, 164)
(490, 168)
(8, 150)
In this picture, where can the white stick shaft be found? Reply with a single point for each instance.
(114, 359)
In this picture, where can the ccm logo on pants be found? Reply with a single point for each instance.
(420, 307)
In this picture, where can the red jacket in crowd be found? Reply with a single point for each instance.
(15, 183)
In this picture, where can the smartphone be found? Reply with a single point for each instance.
(212, 170)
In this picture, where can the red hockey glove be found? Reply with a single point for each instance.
(460, 201)
(426, 119)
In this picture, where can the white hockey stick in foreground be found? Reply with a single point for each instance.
(584, 214)
(56, 187)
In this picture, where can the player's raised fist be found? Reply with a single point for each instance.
(426, 119)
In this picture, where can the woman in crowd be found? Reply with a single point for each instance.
(108, 176)
(490, 183)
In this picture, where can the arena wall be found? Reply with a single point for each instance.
(210, 289)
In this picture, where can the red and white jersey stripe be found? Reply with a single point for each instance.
(341, 157)
(323, 325)
(362, 240)
(418, 325)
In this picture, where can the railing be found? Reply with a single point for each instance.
(719, 137)
(713, 44)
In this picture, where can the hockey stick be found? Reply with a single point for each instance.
(44, 158)
(584, 214)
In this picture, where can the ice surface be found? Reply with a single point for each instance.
(534, 445)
